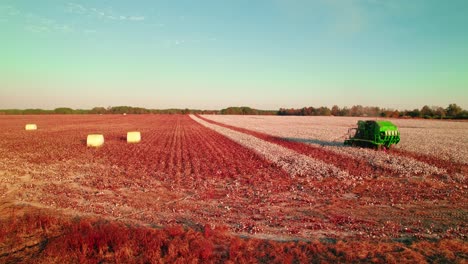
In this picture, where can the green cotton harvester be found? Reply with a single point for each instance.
(375, 134)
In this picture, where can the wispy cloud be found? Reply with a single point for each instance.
(37, 29)
(350, 15)
(101, 14)
(76, 8)
(183, 41)
(33, 22)
(354, 16)
(39, 24)
(89, 31)
(7, 11)
(340, 16)
(136, 18)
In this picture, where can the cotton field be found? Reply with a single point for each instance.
(220, 184)
(446, 140)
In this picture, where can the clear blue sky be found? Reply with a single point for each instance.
(210, 54)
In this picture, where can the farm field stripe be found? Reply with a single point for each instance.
(294, 163)
(209, 150)
(451, 167)
(353, 166)
(401, 166)
(300, 130)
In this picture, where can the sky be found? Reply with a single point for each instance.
(211, 54)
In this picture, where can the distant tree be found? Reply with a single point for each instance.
(426, 112)
(414, 113)
(345, 111)
(335, 110)
(324, 111)
(463, 114)
(439, 112)
(81, 111)
(372, 111)
(245, 110)
(35, 112)
(395, 114)
(453, 110)
(307, 111)
(98, 110)
(386, 112)
(357, 110)
(63, 110)
(139, 110)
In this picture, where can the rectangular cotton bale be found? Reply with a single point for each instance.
(30, 127)
(95, 140)
(133, 137)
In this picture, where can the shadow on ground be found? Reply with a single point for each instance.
(317, 141)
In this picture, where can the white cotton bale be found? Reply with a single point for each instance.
(30, 127)
(95, 140)
(133, 137)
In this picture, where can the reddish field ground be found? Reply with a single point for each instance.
(187, 192)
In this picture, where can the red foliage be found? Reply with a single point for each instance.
(63, 240)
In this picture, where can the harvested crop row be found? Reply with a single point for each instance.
(399, 165)
(354, 166)
(457, 171)
(292, 162)
(319, 137)
(444, 140)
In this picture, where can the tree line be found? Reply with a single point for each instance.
(452, 111)
(105, 110)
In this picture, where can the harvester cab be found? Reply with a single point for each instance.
(375, 134)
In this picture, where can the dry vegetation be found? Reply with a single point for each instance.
(196, 190)
(42, 236)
